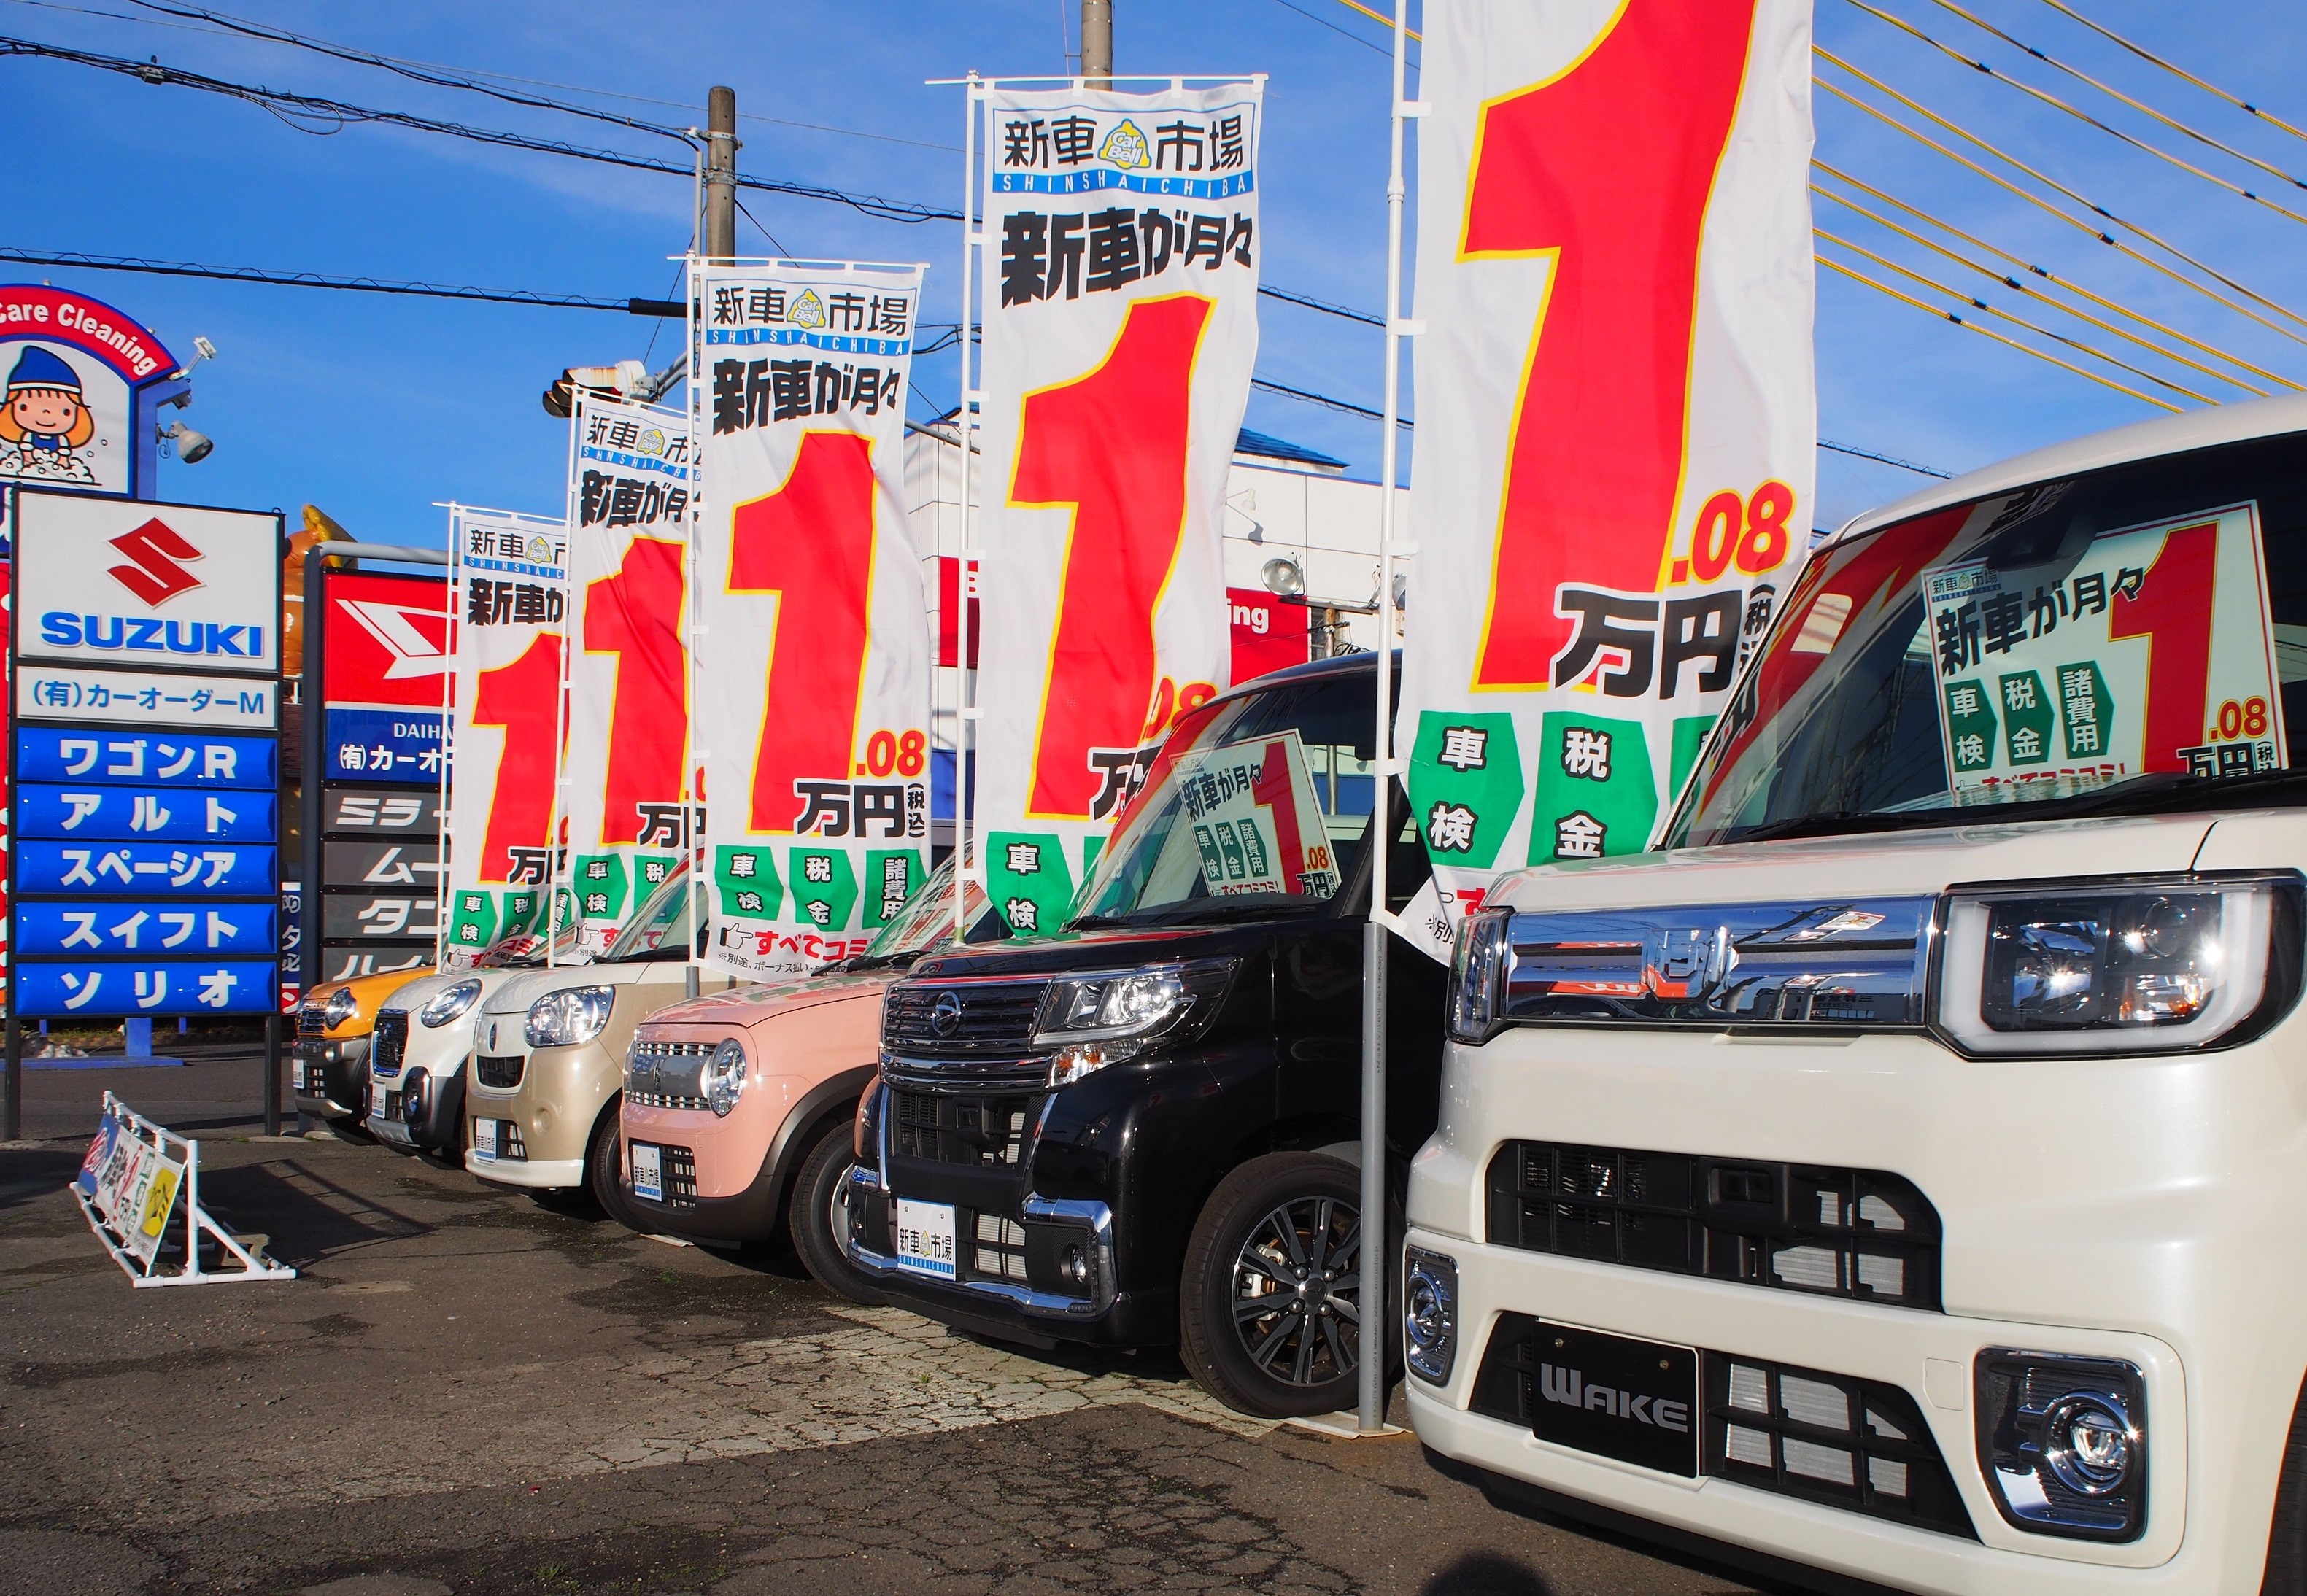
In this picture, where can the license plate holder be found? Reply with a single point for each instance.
(924, 1234)
(485, 1139)
(1615, 1397)
(649, 1177)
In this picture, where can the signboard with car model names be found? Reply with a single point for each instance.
(143, 741)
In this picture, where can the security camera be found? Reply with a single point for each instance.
(192, 448)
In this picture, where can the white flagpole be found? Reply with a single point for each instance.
(1376, 1262)
(965, 719)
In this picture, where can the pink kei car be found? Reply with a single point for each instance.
(738, 1108)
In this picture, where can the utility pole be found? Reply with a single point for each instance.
(721, 175)
(1097, 43)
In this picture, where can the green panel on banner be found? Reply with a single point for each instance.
(602, 886)
(653, 870)
(1689, 737)
(1026, 876)
(824, 885)
(892, 875)
(1597, 794)
(519, 911)
(2085, 710)
(473, 921)
(1465, 785)
(746, 878)
(1970, 722)
(2027, 716)
(1093, 850)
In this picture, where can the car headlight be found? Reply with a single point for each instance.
(723, 1078)
(1478, 970)
(569, 1018)
(342, 1005)
(449, 1003)
(1103, 1018)
(2129, 967)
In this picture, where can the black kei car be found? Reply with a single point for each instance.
(1144, 1131)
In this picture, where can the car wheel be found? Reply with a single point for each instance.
(2286, 1539)
(1270, 1300)
(819, 1216)
(604, 1179)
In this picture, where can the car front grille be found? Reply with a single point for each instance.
(988, 1133)
(1852, 1444)
(498, 1071)
(998, 1250)
(662, 1074)
(1859, 1233)
(390, 1043)
(311, 1020)
(677, 1168)
(995, 1019)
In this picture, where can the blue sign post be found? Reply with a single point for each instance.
(143, 878)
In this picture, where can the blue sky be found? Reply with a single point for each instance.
(374, 409)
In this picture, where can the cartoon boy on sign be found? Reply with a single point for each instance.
(45, 422)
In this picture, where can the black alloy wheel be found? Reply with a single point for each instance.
(1271, 1299)
(818, 1217)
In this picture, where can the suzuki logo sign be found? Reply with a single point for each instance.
(155, 576)
(108, 582)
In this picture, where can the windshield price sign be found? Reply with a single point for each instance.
(1257, 819)
(2151, 651)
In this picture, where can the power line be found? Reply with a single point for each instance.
(2048, 275)
(2052, 182)
(1913, 275)
(2112, 92)
(2014, 283)
(2079, 113)
(1867, 454)
(1323, 400)
(288, 104)
(357, 285)
(2149, 57)
(1988, 332)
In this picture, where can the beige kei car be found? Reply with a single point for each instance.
(549, 1050)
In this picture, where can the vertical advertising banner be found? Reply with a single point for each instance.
(1120, 328)
(509, 592)
(622, 774)
(383, 647)
(1616, 412)
(813, 648)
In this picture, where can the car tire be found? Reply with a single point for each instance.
(816, 1215)
(603, 1174)
(1272, 1231)
(2286, 1539)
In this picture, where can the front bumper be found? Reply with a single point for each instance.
(1002, 1230)
(1930, 1356)
(441, 1118)
(329, 1078)
(2173, 1252)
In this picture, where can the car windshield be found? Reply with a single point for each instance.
(664, 928)
(1249, 808)
(925, 920)
(2128, 640)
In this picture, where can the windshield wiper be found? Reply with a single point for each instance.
(1190, 909)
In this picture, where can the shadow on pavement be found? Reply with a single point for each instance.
(307, 1215)
(1485, 1573)
(28, 1174)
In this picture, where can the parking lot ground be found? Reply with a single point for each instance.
(467, 1390)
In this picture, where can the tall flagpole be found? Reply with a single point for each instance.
(965, 717)
(1377, 1243)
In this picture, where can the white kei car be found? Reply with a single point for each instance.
(1899, 1173)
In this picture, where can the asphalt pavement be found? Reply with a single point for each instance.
(467, 1390)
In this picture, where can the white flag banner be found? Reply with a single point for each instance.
(814, 663)
(1120, 329)
(508, 592)
(1617, 413)
(622, 787)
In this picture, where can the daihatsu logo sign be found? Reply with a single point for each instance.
(154, 572)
